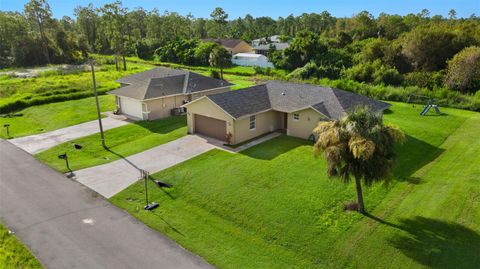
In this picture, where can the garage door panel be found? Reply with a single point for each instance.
(131, 107)
(210, 127)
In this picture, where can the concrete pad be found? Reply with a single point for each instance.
(40, 142)
(111, 178)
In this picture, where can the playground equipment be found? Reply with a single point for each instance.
(432, 103)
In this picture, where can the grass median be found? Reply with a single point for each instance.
(121, 142)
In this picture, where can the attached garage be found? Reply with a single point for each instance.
(210, 127)
(131, 108)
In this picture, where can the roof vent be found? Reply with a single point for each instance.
(283, 93)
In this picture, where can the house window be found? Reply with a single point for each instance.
(253, 122)
(296, 116)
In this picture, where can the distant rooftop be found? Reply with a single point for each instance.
(278, 46)
(228, 43)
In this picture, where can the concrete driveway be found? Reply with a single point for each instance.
(40, 142)
(66, 225)
(111, 178)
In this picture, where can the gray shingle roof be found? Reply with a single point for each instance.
(320, 107)
(228, 43)
(290, 97)
(243, 102)
(278, 46)
(159, 82)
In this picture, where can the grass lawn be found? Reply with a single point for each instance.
(56, 85)
(44, 118)
(272, 206)
(13, 254)
(121, 141)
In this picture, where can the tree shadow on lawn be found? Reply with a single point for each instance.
(437, 244)
(411, 157)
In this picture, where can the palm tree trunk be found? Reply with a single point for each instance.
(124, 63)
(361, 206)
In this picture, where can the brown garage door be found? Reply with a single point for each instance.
(210, 127)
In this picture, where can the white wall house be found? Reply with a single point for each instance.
(251, 59)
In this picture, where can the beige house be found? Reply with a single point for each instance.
(233, 46)
(292, 108)
(159, 92)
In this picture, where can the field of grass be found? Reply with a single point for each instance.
(272, 206)
(239, 82)
(13, 254)
(16, 93)
(48, 117)
(121, 142)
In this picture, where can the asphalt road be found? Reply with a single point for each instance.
(66, 225)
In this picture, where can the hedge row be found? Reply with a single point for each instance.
(45, 99)
(444, 96)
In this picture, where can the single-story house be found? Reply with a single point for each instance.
(293, 108)
(251, 59)
(233, 46)
(265, 48)
(154, 93)
(263, 40)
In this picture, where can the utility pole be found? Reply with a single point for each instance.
(148, 206)
(96, 100)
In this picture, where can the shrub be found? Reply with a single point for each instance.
(214, 74)
(388, 76)
(202, 52)
(464, 71)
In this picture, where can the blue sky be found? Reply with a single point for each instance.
(272, 8)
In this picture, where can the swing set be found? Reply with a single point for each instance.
(431, 103)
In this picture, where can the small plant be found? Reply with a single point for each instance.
(228, 138)
(214, 74)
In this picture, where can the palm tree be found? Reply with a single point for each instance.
(358, 146)
(220, 58)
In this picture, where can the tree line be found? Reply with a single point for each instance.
(415, 49)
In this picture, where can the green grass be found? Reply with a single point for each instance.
(272, 206)
(239, 81)
(50, 86)
(44, 118)
(13, 254)
(121, 141)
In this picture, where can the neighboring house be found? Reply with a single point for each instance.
(292, 108)
(233, 46)
(251, 59)
(265, 48)
(263, 40)
(153, 94)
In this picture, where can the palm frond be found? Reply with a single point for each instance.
(361, 148)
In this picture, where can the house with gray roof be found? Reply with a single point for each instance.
(264, 49)
(155, 93)
(293, 108)
(232, 45)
